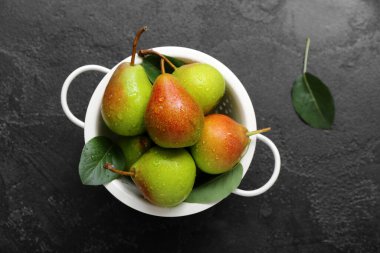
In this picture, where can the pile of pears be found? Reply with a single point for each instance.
(167, 130)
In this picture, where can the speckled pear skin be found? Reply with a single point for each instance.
(125, 100)
(165, 177)
(134, 147)
(173, 118)
(221, 145)
(203, 82)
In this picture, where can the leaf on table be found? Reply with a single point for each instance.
(313, 101)
(218, 188)
(96, 152)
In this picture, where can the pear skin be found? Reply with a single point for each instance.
(165, 177)
(203, 82)
(173, 118)
(134, 147)
(125, 100)
(221, 144)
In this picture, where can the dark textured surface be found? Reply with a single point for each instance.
(327, 198)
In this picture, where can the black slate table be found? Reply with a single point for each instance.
(327, 198)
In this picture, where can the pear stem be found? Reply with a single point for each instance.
(110, 167)
(306, 55)
(162, 66)
(143, 52)
(264, 130)
(137, 37)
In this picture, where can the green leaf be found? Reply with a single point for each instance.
(96, 152)
(151, 64)
(218, 188)
(151, 69)
(313, 101)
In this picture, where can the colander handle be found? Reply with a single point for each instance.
(66, 85)
(276, 171)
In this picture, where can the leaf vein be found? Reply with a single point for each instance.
(313, 98)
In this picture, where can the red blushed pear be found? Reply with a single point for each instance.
(173, 119)
(221, 145)
(202, 81)
(126, 97)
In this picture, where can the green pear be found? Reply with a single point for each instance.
(126, 97)
(134, 147)
(173, 118)
(222, 144)
(165, 177)
(203, 82)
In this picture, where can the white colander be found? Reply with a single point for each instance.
(236, 103)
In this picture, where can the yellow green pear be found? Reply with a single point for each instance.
(165, 177)
(203, 82)
(126, 97)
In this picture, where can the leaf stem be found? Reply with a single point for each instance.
(264, 130)
(137, 37)
(110, 167)
(306, 55)
(144, 52)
